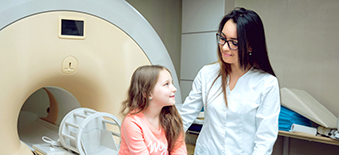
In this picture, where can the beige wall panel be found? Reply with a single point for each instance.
(197, 50)
(302, 44)
(186, 87)
(201, 15)
(165, 18)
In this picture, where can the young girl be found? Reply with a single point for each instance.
(152, 124)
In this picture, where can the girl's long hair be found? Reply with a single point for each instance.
(250, 33)
(142, 83)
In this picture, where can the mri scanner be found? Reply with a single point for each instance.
(59, 55)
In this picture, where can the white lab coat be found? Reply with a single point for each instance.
(248, 126)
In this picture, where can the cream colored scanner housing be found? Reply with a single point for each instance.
(42, 70)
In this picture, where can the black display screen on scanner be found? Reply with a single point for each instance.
(72, 27)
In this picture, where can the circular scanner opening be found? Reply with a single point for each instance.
(42, 113)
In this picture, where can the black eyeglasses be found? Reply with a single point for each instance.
(232, 44)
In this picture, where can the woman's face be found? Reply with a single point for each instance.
(229, 32)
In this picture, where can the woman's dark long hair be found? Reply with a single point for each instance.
(142, 83)
(250, 33)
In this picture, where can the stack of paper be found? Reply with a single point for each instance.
(287, 117)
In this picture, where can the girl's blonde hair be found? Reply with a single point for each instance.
(142, 83)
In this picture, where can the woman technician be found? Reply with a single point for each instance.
(240, 93)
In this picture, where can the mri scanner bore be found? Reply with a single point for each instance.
(64, 55)
(41, 114)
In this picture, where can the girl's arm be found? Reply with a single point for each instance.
(267, 119)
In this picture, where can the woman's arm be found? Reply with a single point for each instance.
(267, 119)
(193, 103)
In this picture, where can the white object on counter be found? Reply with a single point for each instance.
(304, 129)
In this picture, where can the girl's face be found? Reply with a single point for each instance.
(164, 90)
(229, 32)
